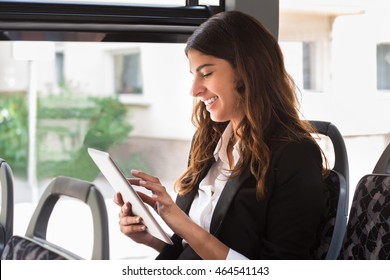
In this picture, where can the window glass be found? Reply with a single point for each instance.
(69, 94)
(78, 91)
(383, 66)
(209, 2)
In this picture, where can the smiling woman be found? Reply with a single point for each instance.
(215, 84)
(240, 197)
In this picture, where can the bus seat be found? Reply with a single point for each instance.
(7, 204)
(341, 164)
(34, 244)
(383, 164)
(368, 229)
(333, 225)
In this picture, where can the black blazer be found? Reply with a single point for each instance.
(283, 225)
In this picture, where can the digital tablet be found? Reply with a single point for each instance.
(119, 182)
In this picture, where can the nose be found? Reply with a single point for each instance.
(197, 87)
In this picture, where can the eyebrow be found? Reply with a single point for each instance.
(203, 66)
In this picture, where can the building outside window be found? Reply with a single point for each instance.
(128, 74)
(59, 65)
(303, 62)
(308, 66)
(383, 66)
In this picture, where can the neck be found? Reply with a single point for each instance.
(229, 150)
(235, 137)
(235, 124)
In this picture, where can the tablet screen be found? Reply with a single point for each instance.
(119, 182)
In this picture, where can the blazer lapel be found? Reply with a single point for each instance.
(226, 199)
(184, 202)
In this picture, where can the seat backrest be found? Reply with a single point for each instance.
(7, 204)
(333, 224)
(383, 164)
(368, 230)
(341, 164)
(34, 244)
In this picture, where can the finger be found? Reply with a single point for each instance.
(126, 210)
(131, 225)
(118, 199)
(156, 188)
(147, 199)
(130, 221)
(133, 181)
(133, 229)
(160, 195)
(145, 176)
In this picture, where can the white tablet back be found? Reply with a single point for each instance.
(120, 184)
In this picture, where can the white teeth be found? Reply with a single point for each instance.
(210, 100)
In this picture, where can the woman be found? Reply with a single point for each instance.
(253, 186)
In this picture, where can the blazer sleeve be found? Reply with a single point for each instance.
(295, 202)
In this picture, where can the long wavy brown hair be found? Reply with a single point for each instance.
(266, 92)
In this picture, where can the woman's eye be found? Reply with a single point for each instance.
(206, 75)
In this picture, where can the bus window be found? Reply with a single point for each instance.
(126, 89)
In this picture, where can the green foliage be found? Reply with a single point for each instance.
(13, 131)
(78, 166)
(85, 122)
(107, 126)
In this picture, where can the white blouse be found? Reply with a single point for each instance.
(211, 187)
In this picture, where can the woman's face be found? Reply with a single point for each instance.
(215, 85)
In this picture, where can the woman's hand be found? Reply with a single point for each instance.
(160, 200)
(132, 226)
(205, 244)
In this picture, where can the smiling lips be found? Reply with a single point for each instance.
(210, 100)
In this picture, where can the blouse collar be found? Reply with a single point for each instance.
(220, 149)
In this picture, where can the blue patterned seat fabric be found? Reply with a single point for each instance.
(22, 248)
(326, 229)
(368, 229)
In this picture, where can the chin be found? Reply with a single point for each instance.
(216, 119)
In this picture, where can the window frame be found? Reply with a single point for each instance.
(59, 21)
